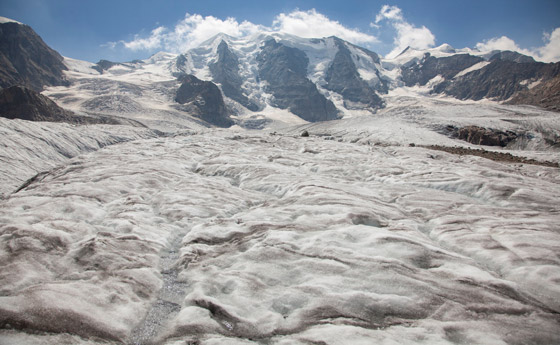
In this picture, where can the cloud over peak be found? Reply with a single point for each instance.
(549, 52)
(407, 35)
(195, 29)
(311, 24)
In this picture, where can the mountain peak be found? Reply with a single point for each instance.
(445, 48)
(4, 20)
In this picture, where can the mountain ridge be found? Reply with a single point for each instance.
(315, 79)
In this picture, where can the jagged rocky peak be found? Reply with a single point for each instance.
(285, 71)
(26, 60)
(344, 78)
(225, 71)
(204, 100)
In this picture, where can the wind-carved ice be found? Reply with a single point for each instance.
(226, 237)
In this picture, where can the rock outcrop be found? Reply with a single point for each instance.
(203, 99)
(18, 102)
(482, 136)
(285, 70)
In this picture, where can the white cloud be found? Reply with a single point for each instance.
(389, 12)
(312, 24)
(550, 52)
(189, 32)
(407, 35)
(500, 43)
(195, 29)
(150, 43)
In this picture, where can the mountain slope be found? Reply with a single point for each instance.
(285, 70)
(225, 71)
(545, 95)
(499, 80)
(26, 60)
(497, 76)
(343, 78)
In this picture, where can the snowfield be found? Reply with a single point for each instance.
(249, 237)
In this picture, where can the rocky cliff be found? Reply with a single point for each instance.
(225, 71)
(343, 78)
(545, 95)
(285, 70)
(26, 60)
(204, 100)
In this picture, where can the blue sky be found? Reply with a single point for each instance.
(122, 30)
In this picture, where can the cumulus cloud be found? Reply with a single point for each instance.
(149, 43)
(502, 43)
(549, 52)
(407, 35)
(312, 24)
(195, 29)
(189, 32)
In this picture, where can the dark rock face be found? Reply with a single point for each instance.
(507, 55)
(342, 77)
(506, 74)
(545, 95)
(21, 103)
(204, 100)
(482, 136)
(181, 64)
(17, 102)
(226, 72)
(104, 65)
(26, 60)
(429, 67)
(285, 70)
(499, 80)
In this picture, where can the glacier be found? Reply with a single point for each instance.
(174, 232)
(250, 237)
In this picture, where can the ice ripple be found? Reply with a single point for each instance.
(218, 239)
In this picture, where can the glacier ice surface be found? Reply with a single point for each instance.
(273, 238)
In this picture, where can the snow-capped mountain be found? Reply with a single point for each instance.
(313, 79)
(265, 77)
(388, 225)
